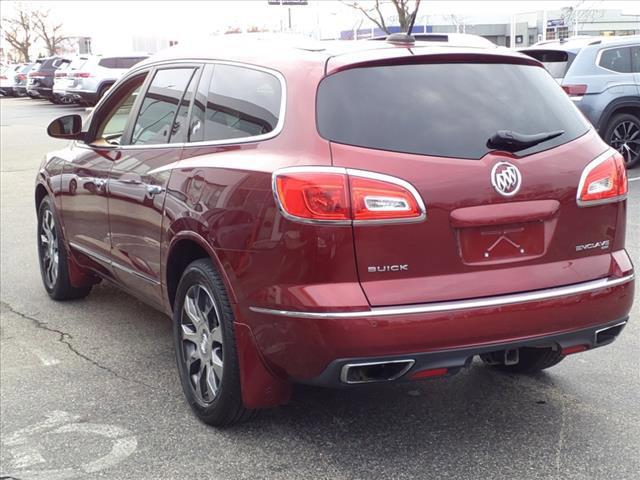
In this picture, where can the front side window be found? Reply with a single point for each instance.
(156, 121)
(242, 102)
(616, 59)
(116, 112)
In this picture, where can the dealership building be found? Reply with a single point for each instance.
(529, 28)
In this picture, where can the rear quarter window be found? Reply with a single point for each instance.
(108, 62)
(446, 110)
(616, 59)
(241, 102)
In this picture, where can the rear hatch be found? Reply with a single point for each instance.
(428, 123)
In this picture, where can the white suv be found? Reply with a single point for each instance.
(90, 80)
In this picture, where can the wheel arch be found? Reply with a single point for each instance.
(619, 105)
(40, 193)
(184, 248)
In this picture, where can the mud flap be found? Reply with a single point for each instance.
(260, 388)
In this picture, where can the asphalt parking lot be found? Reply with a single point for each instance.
(89, 389)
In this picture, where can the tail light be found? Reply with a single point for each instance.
(82, 75)
(20, 77)
(604, 180)
(61, 74)
(575, 90)
(343, 196)
(2, 77)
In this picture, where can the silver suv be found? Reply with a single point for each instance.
(602, 77)
(90, 80)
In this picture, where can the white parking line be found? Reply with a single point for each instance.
(634, 179)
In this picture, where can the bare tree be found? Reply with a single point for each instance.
(19, 30)
(406, 14)
(50, 33)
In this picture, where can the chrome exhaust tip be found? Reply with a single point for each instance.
(608, 334)
(369, 372)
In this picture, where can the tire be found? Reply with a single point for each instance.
(623, 134)
(206, 352)
(53, 256)
(532, 360)
(103, 90)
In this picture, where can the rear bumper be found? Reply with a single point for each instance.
(303, 345)
(84, 96)
(451, 361)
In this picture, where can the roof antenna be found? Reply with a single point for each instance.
(406, 37)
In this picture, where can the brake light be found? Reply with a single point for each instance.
(2, 77)
(338, 195)
(575, 90)
(82, 75)
(604, 180)
(20, 77)
(314, 196)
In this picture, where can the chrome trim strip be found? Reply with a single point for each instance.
(107, 261)
(437, 307)
(344, 372)
(90, 253)
(355, 173)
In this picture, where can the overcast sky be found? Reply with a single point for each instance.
(111, 24)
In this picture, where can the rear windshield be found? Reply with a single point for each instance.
(77, 63)
(447, 110)
(557, 62)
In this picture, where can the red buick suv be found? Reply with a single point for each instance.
(340, 215)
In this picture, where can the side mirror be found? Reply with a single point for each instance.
(68, 127)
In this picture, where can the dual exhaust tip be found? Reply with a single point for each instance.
(390, 370)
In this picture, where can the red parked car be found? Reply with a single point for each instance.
(360, 212)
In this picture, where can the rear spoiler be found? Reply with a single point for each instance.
(414, 56)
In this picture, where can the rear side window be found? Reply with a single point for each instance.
(446, 110)
(108, 63)
(155, 122)
(616, 59)
(127, 62)
(635, 59)
(242, 102)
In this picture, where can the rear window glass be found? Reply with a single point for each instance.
(447, 110)
(557, 62)
(77, 63)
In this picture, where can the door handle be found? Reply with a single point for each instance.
(153, 190)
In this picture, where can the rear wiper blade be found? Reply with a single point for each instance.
(513, 141)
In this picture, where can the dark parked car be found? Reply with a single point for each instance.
(41, 77)
(359, 212)
(602, 77)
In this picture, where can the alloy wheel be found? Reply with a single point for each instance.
(625, 138)
(202, 343)
(49, 248)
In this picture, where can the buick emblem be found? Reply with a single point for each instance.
(506, 179)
